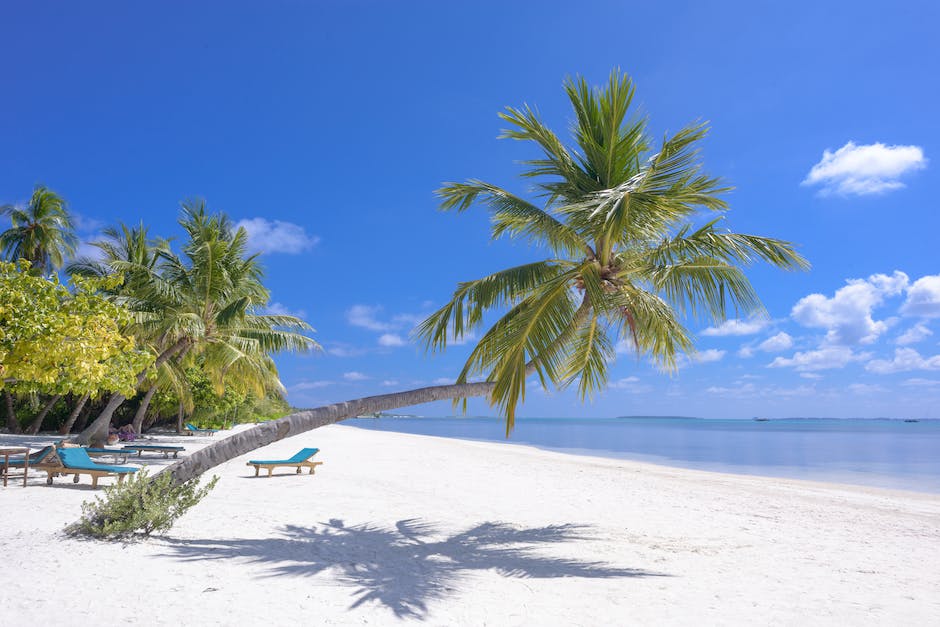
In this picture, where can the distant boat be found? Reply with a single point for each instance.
(756, 419)
(911, 420)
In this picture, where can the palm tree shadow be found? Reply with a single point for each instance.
(406, 568)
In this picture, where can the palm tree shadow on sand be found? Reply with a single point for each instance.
(408, 567)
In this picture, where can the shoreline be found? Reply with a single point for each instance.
(925, 483)
(401, 528)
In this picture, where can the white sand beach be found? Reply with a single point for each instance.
(398, 529)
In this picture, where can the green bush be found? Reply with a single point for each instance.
(139, 506)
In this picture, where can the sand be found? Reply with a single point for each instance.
(398, 529)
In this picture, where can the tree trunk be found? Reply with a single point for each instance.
(179, 419)
(97, 431)
(305, 420)
(83, 416)
(34, 427)
(100, 425)
(13, 425)
(67, 427)
(138, 423)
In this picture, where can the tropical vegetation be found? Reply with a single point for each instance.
(178, 335)
(634, 246)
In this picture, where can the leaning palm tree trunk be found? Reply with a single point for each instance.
(307, 419)
(138, 423)
(67, 427)
(36, 425)
(98, 429)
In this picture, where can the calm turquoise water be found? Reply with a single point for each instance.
(883, 453)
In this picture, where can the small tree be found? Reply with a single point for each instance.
(56, 341)
(139, 506)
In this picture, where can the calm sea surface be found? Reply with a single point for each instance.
(883, 453)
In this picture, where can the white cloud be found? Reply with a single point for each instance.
(824, 358)
(780, 342)
(866, 169)
(280, 309)
(709, 355)
(442, 381)
(85, 224)
(922, 383)
(914, 335)
(276, 236)
(391, 339)
(904, 359)
(365, 316)
(701, 357)
(865, 388)
(466, 339)
(847, 315)
(310, 385)
(923, 298)
(86, 252)
(811, 375)
(389, 383)
(630, 384)
(624, 346)
(736, 327)
(354, 376)
(345, 350)
(746, 352)
(370, 317)
(749, 390)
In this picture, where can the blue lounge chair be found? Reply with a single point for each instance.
(35, 459)
(300, 460)
(118, 454)
(75, 461)
(192, 429)
(155, 448)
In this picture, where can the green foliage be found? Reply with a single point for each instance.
(625, 262)
(55, 341)
(41, 232)
(139, 506)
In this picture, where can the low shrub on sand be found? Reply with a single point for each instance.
(138, 507)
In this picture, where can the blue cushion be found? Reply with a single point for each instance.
(77, 458)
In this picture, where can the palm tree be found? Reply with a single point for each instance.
(204, 303)
(41, 232)
(625, 263)
(131, 252)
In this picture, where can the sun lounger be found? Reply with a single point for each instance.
(155, 448)
(35, 459)
(118, 454)
(192, 429)
(300, 460)
(75, 461)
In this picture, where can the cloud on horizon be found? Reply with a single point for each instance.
(865, 169)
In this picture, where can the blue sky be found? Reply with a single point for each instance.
(326, 126)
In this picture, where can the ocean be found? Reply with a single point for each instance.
(881, 453)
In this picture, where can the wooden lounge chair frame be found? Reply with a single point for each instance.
(300, 465)
(298, 461)
(119, 455)
(155, 448)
